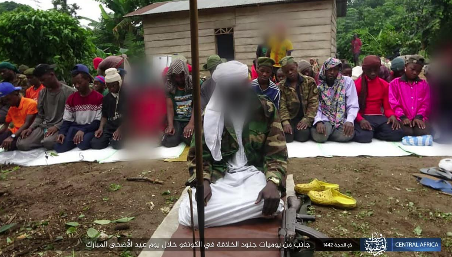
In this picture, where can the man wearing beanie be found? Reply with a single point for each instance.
(373, 97)
(263, 84)
(409, 96)
(113, 104)
(51, 101)
(397, 68)
(82, 113)
(99, 85)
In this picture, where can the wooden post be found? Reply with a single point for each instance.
(198, 120)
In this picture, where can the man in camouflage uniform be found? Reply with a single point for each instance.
(244, 153)
(297, 115)
(10, 73)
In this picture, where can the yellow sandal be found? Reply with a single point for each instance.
(315, 185)
(332, 197)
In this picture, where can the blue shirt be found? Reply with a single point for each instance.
(272, 92)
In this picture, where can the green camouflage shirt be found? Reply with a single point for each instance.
(264, 142)
(21, 81)
(290, 104)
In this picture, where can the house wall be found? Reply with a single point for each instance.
(312, 30)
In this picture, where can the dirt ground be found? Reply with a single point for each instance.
(42, 200)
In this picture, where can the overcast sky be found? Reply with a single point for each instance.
(88, 8)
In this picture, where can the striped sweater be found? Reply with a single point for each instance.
(272, 91)
(83, 112)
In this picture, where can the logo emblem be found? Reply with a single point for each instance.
(375, 245)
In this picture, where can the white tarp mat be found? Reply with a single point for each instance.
(40, 157)
(296, 150)
(351, 149)
(435, 150)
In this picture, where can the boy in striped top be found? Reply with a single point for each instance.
(82, 113)
(263, 84)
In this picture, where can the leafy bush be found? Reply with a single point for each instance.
(35, 37)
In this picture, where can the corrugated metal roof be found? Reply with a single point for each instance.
(208, 4)
(177, 6)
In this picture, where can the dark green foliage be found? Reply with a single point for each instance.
(9, 6)
(389, 27)
(116, 34)
(45, 37)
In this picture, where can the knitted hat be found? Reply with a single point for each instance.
(416, 59)
(398, 64)
(371, 61)
(112, 75)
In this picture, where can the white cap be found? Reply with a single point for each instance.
(112, 75)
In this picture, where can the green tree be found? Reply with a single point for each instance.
(390, 27)
(63, 6)
(45, 37)
(118, 34)
(9, 6)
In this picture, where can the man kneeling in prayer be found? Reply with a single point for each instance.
(244, 153)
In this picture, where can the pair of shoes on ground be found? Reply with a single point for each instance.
(324, 193)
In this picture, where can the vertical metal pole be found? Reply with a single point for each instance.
(198, 121)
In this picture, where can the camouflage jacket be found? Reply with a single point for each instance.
(263, 139)
(290, 104)
(21, 81)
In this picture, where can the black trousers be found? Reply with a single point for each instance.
(297, 135)
(178, 137)
(106, 139)
(416, 131)
(380, 130)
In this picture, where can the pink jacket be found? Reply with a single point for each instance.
(410, 100)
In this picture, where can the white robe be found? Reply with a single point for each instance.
(234, 195)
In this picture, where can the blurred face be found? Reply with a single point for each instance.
(81, 83)
(12, 99)
(412, 70)
(347, 72)
(7, 75)
(372, 72)
(311, 61)
(99, 86)
(113, 87)
(331, 73)
(280, 75)
(291, 71)
(48, 80)
(264, 73)
(179, 79)
(235, 92)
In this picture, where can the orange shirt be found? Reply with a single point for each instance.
(33, 93)
(17, 115)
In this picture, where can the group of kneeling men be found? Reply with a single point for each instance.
(336, 108)
(62, 117)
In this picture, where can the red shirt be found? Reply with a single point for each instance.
(356, 45)
(377, 97)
